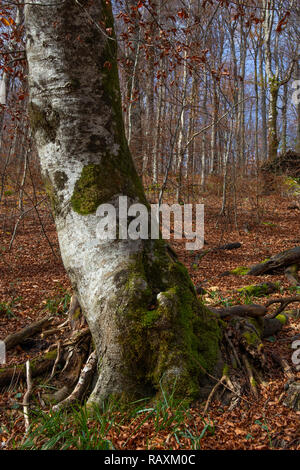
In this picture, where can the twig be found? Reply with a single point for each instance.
(213, 392)
(226, 386)
(19, 220)
(27, 396)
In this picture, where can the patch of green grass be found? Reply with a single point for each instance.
(78, 429)
(269, 224)
(294, 289)
(7, 308)
(63, 430)
(60, 303)
(265, 427)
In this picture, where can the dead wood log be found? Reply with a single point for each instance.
(16, 338)
(38, 365)
(228, 246)
(277, 262)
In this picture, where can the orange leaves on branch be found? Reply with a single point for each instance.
(140, 4)
(5, 21)
(283, 22)
(182, 14)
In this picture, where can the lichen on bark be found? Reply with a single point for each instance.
(116, 166)
(45, 121)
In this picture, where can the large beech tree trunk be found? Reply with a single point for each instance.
(148, 327)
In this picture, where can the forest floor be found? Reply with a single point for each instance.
(33, 282)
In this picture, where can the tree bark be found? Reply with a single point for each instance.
(148, 327)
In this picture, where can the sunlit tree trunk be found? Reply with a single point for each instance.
(148, 327)
(297, 146)
(263, 105)
(284, 118)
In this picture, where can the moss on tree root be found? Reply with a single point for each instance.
(168, 336)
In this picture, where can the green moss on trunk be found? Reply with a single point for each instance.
(116, 173)
(168, 336)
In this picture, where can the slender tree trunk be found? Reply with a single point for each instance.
(214, 153)
(204, 136)
(284, 118)
(272, 126)
(263, 99)
(257, 158)
(297, 146)
(180, 145)
(148, 328)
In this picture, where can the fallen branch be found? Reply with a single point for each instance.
(278, 262)
(16, 338)
(228, 246)
(39, 366)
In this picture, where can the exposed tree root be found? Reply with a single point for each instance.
(82, 384)
(72, 365)
(249, 370)
(251, 310)
(283, 304)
